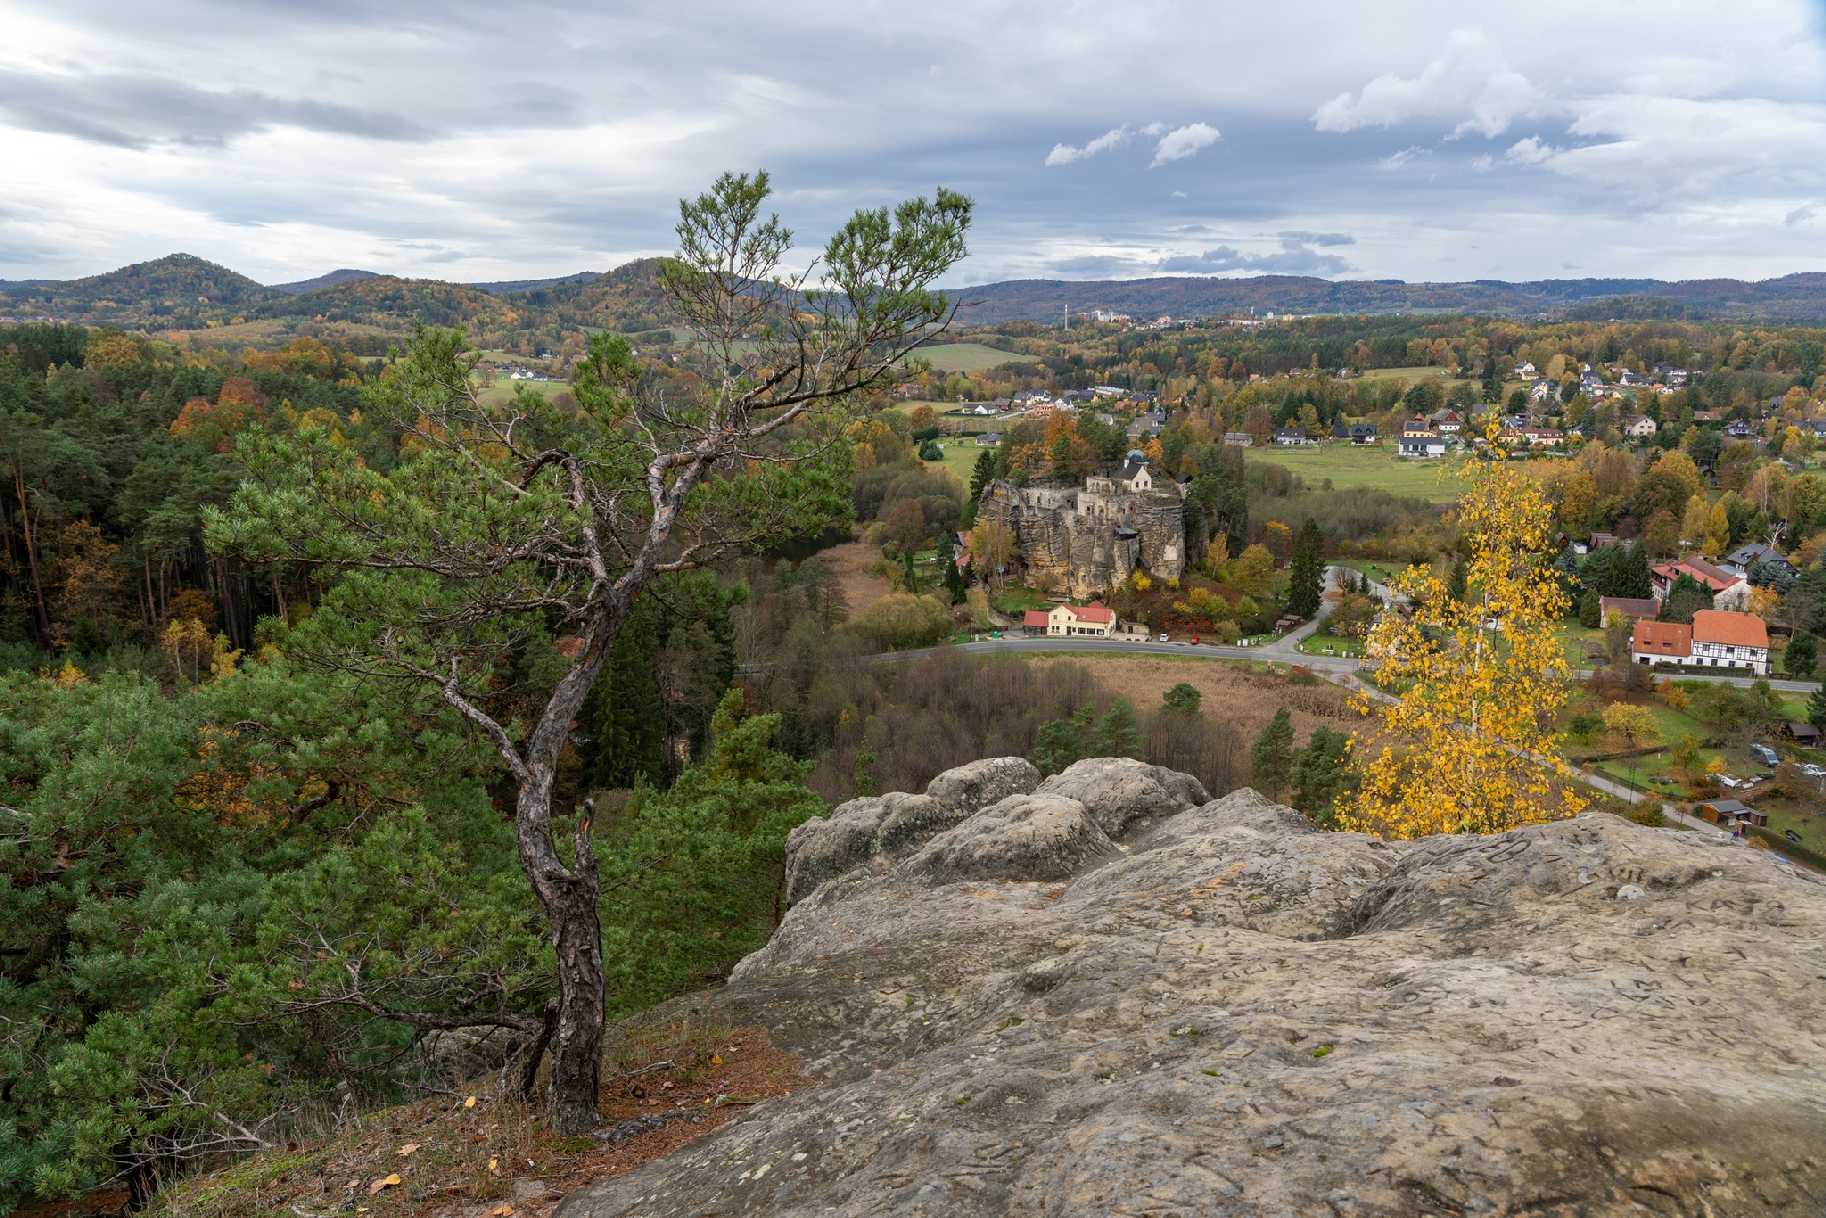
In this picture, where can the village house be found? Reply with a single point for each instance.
(1653, 642)
(1729, 589)
(1095, 620)
(1724, 639)
(1717, 638)
(1640, 428)
(1447, 422)
(1356, 433)
(1526, 371)
(1613, 609)
(1419, 440)
(1745, 560)
(1730, 814)
(989, 439)
(1293, 437)
(1239, 439)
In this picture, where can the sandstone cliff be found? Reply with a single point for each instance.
(1105, 994)
(1086, 542)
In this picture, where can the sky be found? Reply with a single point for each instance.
(468, 141)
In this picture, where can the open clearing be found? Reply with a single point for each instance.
(970, 357)
(853, 563)
(503, 389)
(1233, 693)
(960, 459)
(1349, 466)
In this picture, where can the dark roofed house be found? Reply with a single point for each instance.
(1626, 608)
(1730, 814)
(1803, 733)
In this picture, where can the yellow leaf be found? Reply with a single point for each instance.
(408, 1148)
(387, 1181)
(470, 1102)
(716, 1059)
(501, 1211)
(494, 1166)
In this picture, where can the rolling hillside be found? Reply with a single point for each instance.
(182, 292)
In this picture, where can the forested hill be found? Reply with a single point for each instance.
(184, 292)
(1800, 297)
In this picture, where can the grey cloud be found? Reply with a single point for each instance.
(1305, 238)
(1096, 264)
(137, 111)
(140, 111)
(1801, 214)
(1292, 258)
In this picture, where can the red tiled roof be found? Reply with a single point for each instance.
(1662, 638)
(1704, 572)
(1096, 611)
(1035, 617)
(1735, 629)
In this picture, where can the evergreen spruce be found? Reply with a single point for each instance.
(1271, 758)
(1306, 587)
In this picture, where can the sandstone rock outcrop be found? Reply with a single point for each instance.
(1229, 1012)
(1088, 539)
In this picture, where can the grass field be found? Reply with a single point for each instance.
(1413, 374)
(960, 459)
(1322, 644)
(503, 389)
(1349, 466)
(970, 357)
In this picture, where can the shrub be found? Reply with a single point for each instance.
(903, 619)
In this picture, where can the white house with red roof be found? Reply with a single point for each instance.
(1729, 589)
(1095, 620)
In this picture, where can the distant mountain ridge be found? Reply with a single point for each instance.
(182, 292)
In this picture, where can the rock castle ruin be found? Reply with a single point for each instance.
(1086, 540)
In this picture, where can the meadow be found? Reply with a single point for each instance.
(1349, 466)
(970, 357)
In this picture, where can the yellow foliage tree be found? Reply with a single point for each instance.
(1471, 745)
(1631, 724)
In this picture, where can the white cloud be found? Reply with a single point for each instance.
(1179, 194)
(1182, 142)
(1482, 164)
(1469, 83)
(1530, 151)
(1065, 154)
(1395, 160)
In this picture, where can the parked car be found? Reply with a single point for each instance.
(1163, 638)
(1813, 771)
(1765, 754)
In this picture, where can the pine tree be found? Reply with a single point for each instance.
(954, 580)
(1801, 655)
(1319, 774)
(982, 474)
(1118, 735)
(1459, 583)
(1591, 611)
(1271, 758)
(1816, 708)
(1306, 585)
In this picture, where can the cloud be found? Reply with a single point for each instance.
(1180, 194)
(1182, 142)
(1395, 160)
(1293, 258)
(127, 111)
(1482, 163)
(1300, 237)
(1469, 83)
(1801, 214)
(1530, 151)
(1065, 154)
(1096, 264)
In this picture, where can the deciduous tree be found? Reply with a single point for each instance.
(1478, 683)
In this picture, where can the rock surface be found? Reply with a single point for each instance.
(1229, 1012)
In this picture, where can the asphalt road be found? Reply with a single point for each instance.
(1280, 653)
